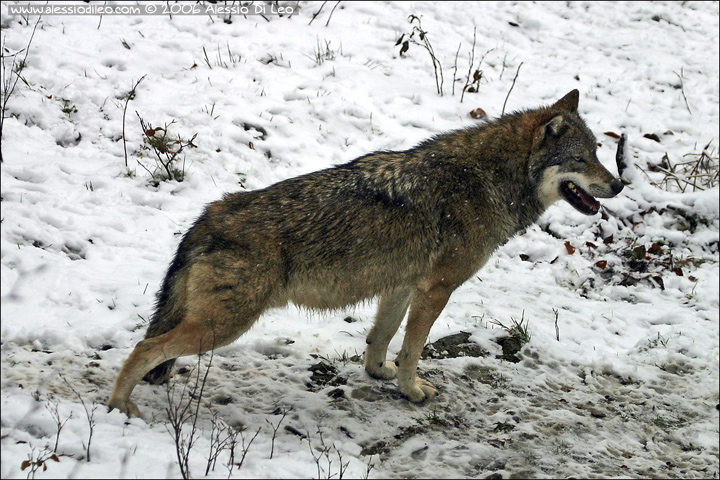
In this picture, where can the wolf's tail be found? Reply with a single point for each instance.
(170, 308)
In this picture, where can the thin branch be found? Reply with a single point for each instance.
(318, 12)
(472, 60)
(682, 88)
(331, 13)
(511, 87)
(455, 69)
(8, 84)
(130, 96)
(90, 414)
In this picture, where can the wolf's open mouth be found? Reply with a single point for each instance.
(579, 198)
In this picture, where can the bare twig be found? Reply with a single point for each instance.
(437, 66)
(59, 423)
(504, 64)
(472, 60)
(682, 88)
(37, 461)
(511, 87)
(9, 82)
(90, 413)
(218, 442)
(455, 69)
(166, 151)
(318, 12)
(324, 452)
(275, 428)
(180, 413)
(368, 468)
(128, 96)
(331, 13)
(231, 463)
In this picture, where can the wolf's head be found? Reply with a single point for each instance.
(563, 160)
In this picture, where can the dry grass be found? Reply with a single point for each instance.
(698, 173)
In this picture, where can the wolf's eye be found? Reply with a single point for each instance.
(579, 159)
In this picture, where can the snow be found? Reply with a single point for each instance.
(625, 386)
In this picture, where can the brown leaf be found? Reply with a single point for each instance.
(678, 271)
(652, 136)
(54, 457)
(656, 249)
(601, 264)
(25, 464)
(612, 134)
(496, 442)
(658, 279)
(524, 257)
(570, 249)
(478, 113)
(150, 132)
(590, 245)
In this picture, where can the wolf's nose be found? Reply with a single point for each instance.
(617, 186)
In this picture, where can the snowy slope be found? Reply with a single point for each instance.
(620, 375)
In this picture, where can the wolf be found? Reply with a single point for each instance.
(407, 227)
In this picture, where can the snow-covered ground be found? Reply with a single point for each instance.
(620, 375)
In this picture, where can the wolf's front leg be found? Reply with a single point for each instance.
(390, 314)
(424, 310)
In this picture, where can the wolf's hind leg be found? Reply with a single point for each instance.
(216, 313)
(152, 352)
(391, 311)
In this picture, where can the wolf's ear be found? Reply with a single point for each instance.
(554, 128)
(569, 102)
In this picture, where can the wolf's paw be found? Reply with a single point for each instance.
(420, 391)
(127, 407)
(384, 371)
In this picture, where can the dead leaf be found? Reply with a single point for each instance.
(658, 279)
(478, 114)
(570, 249)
